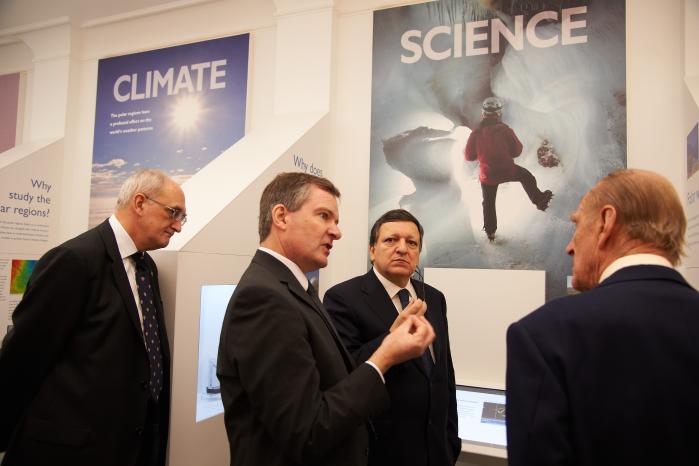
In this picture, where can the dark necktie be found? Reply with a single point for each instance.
(404, 297)
(312, 292)
(151, 335)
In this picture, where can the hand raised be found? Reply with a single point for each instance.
(409, 340)
(417, 307)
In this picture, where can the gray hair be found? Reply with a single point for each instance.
(149, 182)
(647, 206)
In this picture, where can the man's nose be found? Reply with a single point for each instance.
(335, 232)
(177, 225)
(569, 248)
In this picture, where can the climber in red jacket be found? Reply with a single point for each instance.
(495, 146)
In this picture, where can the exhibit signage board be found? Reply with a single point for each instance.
(174, 109)
(559, 77)
(29, 218)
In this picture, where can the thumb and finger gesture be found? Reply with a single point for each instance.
(416, 307)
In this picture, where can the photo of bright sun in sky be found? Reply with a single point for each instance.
(186, 113)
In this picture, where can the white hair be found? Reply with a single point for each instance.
(149, 182)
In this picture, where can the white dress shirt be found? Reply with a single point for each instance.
(126, 249)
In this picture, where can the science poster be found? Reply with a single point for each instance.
(174, 109)
(551, 71)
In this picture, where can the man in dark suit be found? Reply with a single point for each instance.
(84, 371)
(421, 427)
(291, 393)
(609, 376)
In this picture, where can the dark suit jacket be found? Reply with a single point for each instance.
(290, 391)
(421, 427)
(74, 369)
(607, 377)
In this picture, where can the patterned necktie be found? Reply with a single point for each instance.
(151, 335)
(404, 297)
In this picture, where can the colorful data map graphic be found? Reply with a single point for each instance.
(19, 276)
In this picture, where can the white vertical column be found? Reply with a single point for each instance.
(654, 76)
(691, 48)
(53, 79)
(50, 47)
(304, 40)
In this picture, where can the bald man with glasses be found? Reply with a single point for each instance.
(84, 371)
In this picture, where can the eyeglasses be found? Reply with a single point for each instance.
(175, 214)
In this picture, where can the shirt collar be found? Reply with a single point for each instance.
(124, 242)
(634, 259)
(291, 265)
(391, 288)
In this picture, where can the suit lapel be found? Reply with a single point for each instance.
(378, 300)
(318, 307)
(285, 276)
(432, 315)
(119, 274)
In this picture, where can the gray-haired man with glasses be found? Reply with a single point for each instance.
(175, 212)
(84, 371)
(421, 427)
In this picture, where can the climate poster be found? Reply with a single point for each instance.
(174, 109)
(552, 71)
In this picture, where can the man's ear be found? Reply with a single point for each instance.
(137, 202)
(607, 219)
(279, 216)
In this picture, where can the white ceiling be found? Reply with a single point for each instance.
(15, 13)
